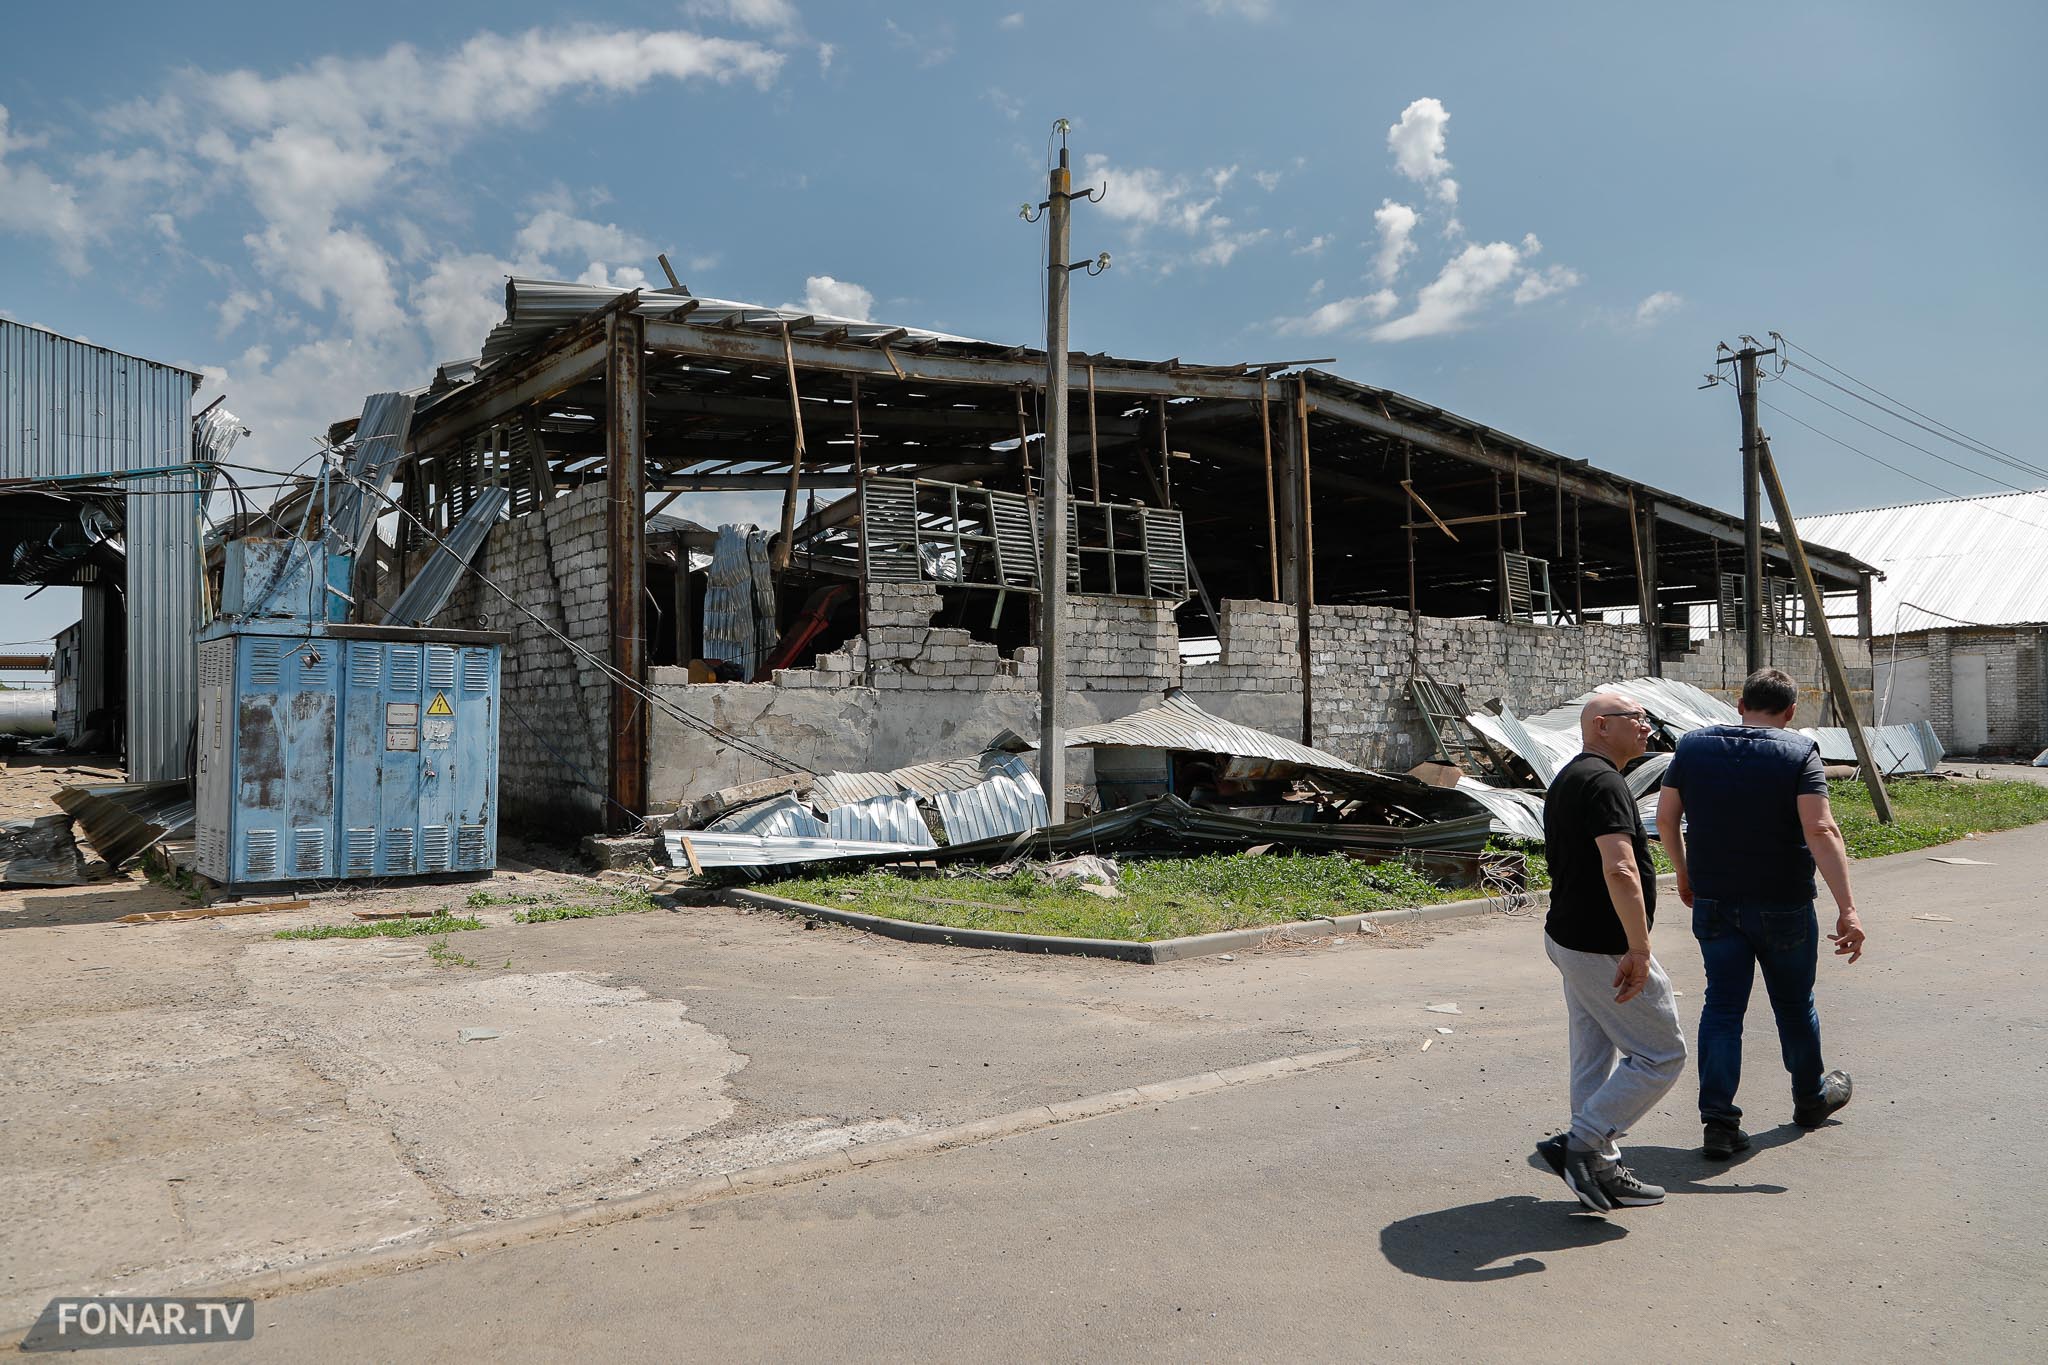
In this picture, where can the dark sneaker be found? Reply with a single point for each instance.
(1624, 1191)
(1723, 1140)
(1584, 1181)
(1835, 1090)
(1552, 1152)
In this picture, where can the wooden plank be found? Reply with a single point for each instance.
(209, 912)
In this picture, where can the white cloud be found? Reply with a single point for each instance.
(1656, 306)
(838, 298)
(1315, 290)
(1314, 245)
(1396, 224)
(930, 49)
(1011, 21)
(826, 52)
(1142, 198)
(778, 17)
(320, 168)
(1464, 286)
(1339, 315)
(1418, 142)
(1258, 11)
(553, 231)
(1005, 103)
(1541, 284)
(1267, 180)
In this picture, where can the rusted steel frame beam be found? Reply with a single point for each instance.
(1839, 569)
(673, 338)
(1305, 558)
(563, 362)
(1408, 487)
(1414, 606)
(626, 552)
(1272, 514)
(780, 557)
(1094, 443)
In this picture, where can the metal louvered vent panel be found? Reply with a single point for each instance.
(361, 850)
(1166, 554)
(440, 667)
(1073, 547)
(888, 531)
(437, 848)
(1015, 517)
(259, 850)
(365, 665)
(266, 662)
(309, 850)
(1528, 583)
(470, 844)
(476, 670)
(398, 855)
(405, 668)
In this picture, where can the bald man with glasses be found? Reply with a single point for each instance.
(1626, 1046)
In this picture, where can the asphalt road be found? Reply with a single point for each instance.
(1386, 1208)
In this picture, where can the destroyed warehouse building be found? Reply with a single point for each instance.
(1294, 551)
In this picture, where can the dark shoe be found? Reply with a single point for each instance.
(1624, 1191)
(1584, 1181)
(1723, 1140)
(1552, 1152)
(1835, 1090)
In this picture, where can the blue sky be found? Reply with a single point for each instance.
(1542, 217)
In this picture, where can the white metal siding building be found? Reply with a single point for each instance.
(71, 409)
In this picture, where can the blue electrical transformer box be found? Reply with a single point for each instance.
(330, 752)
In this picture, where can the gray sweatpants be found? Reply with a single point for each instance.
(1608, 1099)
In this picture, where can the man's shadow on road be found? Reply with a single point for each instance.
(1500, 1239)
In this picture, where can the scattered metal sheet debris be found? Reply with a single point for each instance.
(881, 819)
(124, 820)
(783, 817)
(40, 852)
(1007, 801)
(438, 578)
(716, 848)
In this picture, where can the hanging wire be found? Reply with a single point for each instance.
(747, 747)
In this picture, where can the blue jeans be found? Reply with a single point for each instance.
(1735, 940)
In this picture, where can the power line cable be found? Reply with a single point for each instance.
(1903, 473)
(1932, 455)
(1988, 452)
(1961, 436)
(747, 747)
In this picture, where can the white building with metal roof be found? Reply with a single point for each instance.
(1959, 618)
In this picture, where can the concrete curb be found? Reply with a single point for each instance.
(1151, 954)
(388, 1260)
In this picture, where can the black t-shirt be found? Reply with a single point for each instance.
(1589, 799)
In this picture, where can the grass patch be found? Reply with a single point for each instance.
(620, 903)
(1932, 812)
(1165, 898)
(441, 955)
(438, 926)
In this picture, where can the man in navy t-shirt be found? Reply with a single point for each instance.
(1756, 824)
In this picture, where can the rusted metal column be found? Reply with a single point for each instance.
(1652, 612)
(1500, 556)
(1305, 573)
(786, 546)
(1165, 456)
(1865, 626)
(1094, 454)
(626, 546)
(1272, 520)
(1408, 530)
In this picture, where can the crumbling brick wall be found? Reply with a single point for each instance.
(556, 706)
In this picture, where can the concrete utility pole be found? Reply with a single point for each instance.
(1744, 361)
(1053, 492)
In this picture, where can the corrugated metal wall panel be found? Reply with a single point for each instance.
(69, 407)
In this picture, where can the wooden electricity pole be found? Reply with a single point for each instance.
(1823, 638)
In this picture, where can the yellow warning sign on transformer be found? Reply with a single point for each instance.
(439, 706)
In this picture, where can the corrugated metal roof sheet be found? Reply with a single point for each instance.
(1969, 561)
(1177, 723)
(718, 848)
(882, 819)
(1008, 801)
(784, 817)
(539, 308)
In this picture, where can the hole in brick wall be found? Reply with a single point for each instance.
(1008, 621)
